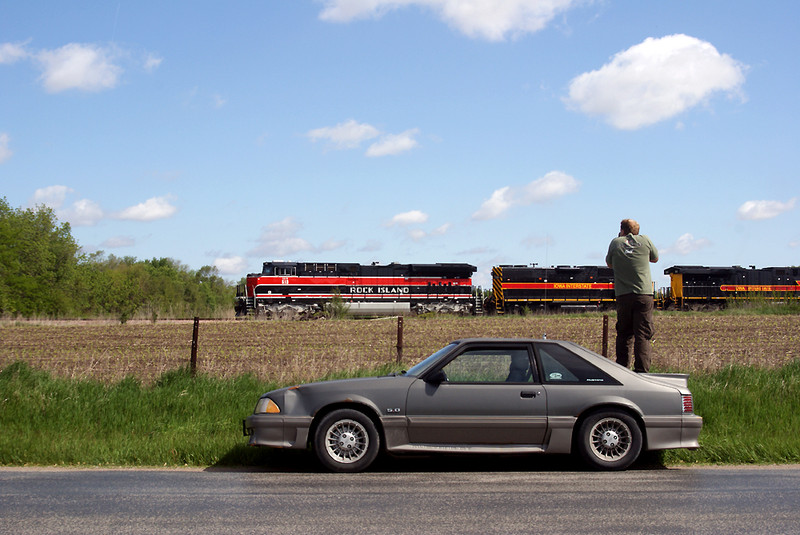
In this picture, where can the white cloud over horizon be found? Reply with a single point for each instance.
(231, 265)
(491, 20)
(116, 242)
(655, 80)
(685, 245)
(85, 67)
(5, 151)
(392, 144)
(152, 209)
(760, 210)
(551, 186)
(86, 212)
(12, 52)
(412, 217)
(347, 135)
(351, 134)
(279, 239)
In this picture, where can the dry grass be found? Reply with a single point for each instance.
(286, 351)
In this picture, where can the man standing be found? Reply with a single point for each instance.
(628, 255)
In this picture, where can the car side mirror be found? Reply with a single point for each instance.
(436, 378)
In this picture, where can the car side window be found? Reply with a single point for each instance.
(562, 366)
(490, 366)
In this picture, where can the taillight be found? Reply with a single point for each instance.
(688, 405)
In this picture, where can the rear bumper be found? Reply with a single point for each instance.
(672, 432)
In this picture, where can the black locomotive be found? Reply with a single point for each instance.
(706, 288)
(518, 288)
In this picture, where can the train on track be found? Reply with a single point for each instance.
(300, 290)
(707, 288)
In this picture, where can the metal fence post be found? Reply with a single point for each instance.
(605, 335)
(399, 339)
(193, 360)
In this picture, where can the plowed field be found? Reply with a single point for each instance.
(287, 351)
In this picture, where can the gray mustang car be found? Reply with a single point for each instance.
(485, 396)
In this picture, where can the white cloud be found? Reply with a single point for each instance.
(82, 213)
(412, 217)
(85, 67)
(219, 101)
(553, 185)
(756, 210)
(392, 144)
(441, 230)
(233, 265)
(331, 245)
(5, 152)
(494, 206)
(686, 244)
(347, 135)
(50, 196)
(416, 234)
(279, 239)
(492, 20)
(351, 134)
(152, 62)
(419, 234)
(150, 210)
(12, 52)
(655, 80)
(116, 242)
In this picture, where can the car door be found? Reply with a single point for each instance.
(486, 394)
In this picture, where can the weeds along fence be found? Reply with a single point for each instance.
(285, 352)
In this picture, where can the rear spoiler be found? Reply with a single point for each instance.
(680, 380)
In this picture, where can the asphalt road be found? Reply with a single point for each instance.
(414, 498)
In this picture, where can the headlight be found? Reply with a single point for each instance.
(266, 405)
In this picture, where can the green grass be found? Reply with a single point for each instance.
(751, 415)
(176, 421)
(763, 305)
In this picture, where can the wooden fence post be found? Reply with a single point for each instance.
(193, 360)
(605, 335)
(399, 339)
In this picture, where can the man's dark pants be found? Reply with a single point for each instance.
(634, 326)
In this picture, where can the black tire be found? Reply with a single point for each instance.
(346, 440)
(609, 440)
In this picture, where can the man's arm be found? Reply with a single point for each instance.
(653, 252)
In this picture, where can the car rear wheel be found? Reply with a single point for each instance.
(609, 440)
(346, 440)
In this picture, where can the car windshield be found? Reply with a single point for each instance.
(425, 364)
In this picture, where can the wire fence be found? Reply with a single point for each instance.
(284, 352)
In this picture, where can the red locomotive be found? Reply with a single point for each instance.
(297, 290)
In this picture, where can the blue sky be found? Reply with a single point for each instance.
(482, 131)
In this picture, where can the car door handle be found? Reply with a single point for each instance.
(529, 394)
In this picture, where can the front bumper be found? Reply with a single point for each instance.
(277, 431)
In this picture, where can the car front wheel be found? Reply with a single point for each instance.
(609, 440)
(346, 440)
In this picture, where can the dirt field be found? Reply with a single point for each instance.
(286, 351)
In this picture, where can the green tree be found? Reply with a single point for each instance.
(38, 257)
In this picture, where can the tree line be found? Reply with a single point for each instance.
(43, 273)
